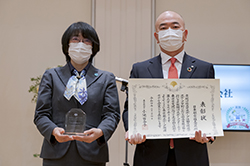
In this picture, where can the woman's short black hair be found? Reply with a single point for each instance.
(87, 31)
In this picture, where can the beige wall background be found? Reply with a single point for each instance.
(30, 34)
(124, 28)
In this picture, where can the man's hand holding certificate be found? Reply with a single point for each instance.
(174, 108)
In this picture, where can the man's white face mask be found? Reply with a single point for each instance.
(80, 52)
(170, 39)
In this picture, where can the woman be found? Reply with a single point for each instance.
(94, 92)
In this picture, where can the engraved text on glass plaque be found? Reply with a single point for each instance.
(75, 122)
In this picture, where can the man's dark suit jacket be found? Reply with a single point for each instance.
(102, 110)
(155, 152)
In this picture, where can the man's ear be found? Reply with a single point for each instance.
(156, 37)
(185, 34)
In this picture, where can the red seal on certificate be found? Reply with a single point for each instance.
(145, 127)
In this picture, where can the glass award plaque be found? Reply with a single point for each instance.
(75, 122)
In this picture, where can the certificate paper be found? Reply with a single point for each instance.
(174, 108)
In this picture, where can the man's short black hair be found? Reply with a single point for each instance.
(87, 31)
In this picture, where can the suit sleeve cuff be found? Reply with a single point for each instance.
(101, 140)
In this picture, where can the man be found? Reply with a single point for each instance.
(170, 35)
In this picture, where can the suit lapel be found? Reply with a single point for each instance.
(155, 67)
(92, 75)
(63, 73)
(188, 66)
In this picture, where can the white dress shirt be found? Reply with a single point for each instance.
(165, 61)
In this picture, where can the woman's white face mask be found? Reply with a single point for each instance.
(170, 39)
(80, 52)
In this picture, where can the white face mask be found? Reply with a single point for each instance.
(80, 52)
(170, 39)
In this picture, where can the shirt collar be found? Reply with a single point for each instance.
(71, 68)
(166, 57)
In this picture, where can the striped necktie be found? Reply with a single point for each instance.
(172, 73)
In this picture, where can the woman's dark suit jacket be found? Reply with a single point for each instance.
(155, 152)
(102, 110)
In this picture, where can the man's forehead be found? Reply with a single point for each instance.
(169, 18)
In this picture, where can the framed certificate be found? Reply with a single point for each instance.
(174, 108)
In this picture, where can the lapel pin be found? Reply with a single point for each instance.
(96, 74)
(189, 69)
